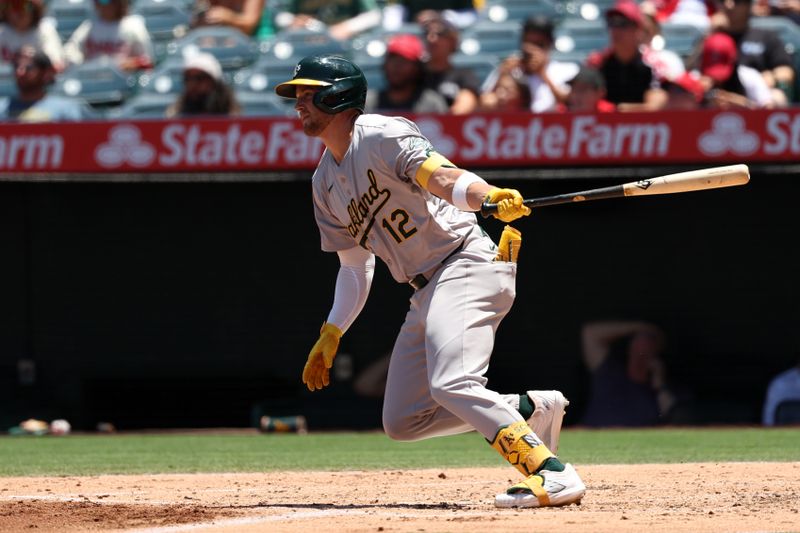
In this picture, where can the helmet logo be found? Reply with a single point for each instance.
(297, 69)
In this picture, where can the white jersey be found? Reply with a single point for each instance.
(372, 199)
(123, 39)
(44, 37)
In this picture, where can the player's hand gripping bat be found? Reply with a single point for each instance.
(694, 180)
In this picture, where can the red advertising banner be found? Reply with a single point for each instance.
(479, 140)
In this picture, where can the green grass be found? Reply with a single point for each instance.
(129, 453)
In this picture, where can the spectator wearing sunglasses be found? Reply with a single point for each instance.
(204, 89)
(631, 83)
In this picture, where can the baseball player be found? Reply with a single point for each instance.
(381, 189)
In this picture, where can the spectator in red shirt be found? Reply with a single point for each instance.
(588, 93)
(631, 83)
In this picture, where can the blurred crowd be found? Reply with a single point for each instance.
(79, 59)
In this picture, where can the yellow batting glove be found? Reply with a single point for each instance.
(316, 373)
(510, 243)
(509, 204)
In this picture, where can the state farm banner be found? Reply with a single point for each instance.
(473, 141)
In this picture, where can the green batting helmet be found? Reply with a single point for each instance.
(343, 83)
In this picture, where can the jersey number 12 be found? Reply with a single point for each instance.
(403, 231)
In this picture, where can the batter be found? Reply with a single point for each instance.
(381, 189)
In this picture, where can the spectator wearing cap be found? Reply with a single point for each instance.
(587, 94)
(459, 86)
(631, 82)
(730, 84)
(26, 25)
(404, 70)
(684, 93)
(34, 72)
(204, 89)
(759, 48)
(112, 33)
(547, 78)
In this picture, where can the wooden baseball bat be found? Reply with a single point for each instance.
(693, 180)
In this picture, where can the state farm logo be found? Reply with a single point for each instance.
(125, 145)
(433, 131)
(728, 134)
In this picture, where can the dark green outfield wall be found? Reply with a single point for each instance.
(185, 304)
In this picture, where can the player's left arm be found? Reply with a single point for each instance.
(353, 283)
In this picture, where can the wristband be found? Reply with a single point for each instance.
(460, 190)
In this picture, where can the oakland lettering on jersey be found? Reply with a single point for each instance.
(360, 210)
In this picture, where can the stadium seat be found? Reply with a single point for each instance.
(8, 81)
(143, 106)
(581, 36)
(373, 44)
(373, 71)
(262, 105)
(498, 38)
(480, 64)
(296, 44)
(97, 81)
(263, 75)
(519, 10)
(786, 29)
(165, 20)
(69, 14)
(681, 38)
(166, 78)
(788, 412)
(232, 48)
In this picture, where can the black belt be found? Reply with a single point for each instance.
(419, 281)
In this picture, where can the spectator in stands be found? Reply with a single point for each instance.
(759, 48)
(631, 83)
(666, 64)
(511, 93)
(628, 381)
(459, 86)
(547, 78)
(684, 93)
(461, 13)
(778, 8)
(343, 19)
(113, 33)
(404, 69)
(25, 24)
(34, 73)
(250, 17)
(783, 387)
(730, 84)
(692, 12)
(588, 92)
(204, 89)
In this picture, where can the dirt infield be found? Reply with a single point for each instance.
(693, 497)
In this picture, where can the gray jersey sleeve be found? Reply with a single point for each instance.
(405, 147)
